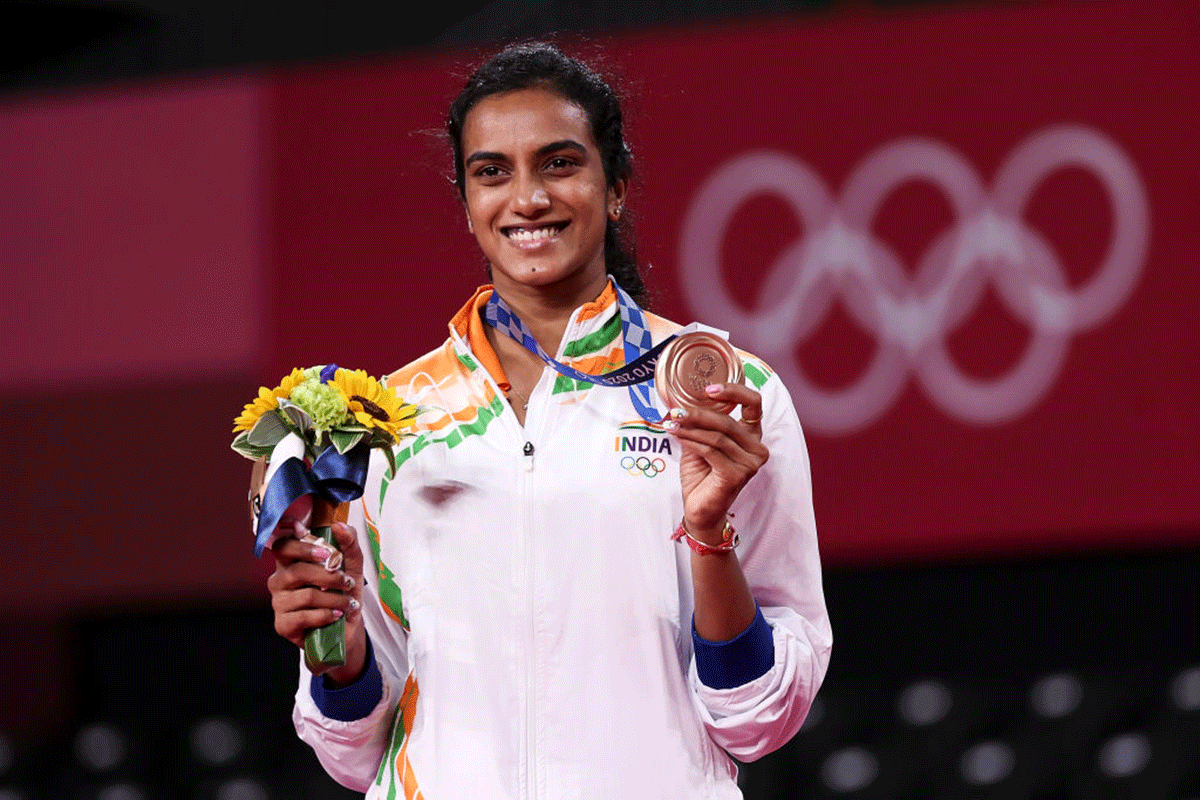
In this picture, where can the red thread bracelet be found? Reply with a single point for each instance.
(729, 540)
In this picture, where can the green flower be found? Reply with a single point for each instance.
(322, 402)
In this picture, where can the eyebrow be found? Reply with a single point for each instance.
(561, 144)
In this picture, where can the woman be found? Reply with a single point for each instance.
(526, 625)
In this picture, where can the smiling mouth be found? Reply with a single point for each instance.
(527, 235)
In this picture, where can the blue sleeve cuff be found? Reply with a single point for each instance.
(749, 655)
(354, 701)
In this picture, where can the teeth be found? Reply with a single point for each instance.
(532, 235)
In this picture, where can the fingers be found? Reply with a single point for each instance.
(739, 393)
(303, 573)
(347, 541)
(300, 609)
(289, 550)
(749, 400)
(720, 431)
(301, 548)
(734, 455)
(307, 591)
(720, 454)
(352, 564)
(294, 625)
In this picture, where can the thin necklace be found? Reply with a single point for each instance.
(512, 389)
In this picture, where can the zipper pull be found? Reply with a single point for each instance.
(528, 451)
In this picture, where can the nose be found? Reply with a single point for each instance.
(531, 197)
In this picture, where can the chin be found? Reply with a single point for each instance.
(543, 276)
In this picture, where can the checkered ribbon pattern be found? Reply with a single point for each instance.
(640, 352)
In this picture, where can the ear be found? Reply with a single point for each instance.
(467, 213)
(616, 198)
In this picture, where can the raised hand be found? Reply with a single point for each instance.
(720, 456)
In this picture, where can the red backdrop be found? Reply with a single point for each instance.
(987, 213)
(996, 204)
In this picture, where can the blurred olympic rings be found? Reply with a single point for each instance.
(839, 256)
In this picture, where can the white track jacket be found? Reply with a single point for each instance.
(529, 613)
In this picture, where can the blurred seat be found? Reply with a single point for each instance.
(864, 772)
(933, 720)
(104, 748)
(120, 790)
(244, 786)
(1132, 765)
(217, 742)
(1021, 694)
(111, 760)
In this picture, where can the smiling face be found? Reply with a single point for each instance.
(535, 192)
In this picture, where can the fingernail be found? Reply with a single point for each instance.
(321, 553)
(337, 613)
(678, 413)
(713, 388)
(671, 425)
(348, 581)
(354, 604)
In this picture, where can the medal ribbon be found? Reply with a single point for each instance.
(641, 353)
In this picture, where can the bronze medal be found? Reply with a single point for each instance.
(691, 362)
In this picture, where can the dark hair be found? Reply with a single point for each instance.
(540, 65)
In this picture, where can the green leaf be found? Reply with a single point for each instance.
(267, 431)
(297, 416)
(326, 646)
(344, 440)
(242, 446)
(390, 455)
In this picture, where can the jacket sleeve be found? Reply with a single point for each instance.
(779, 555)
(351, 750)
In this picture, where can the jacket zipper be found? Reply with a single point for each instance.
(530, 736)
(537, 416)
(530, 625)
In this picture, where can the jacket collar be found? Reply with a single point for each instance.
(468, 327)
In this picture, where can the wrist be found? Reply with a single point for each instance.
(353, 701)
(710, 542)
(343, 676)
(711, 534)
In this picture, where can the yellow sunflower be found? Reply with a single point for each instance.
(374, 406)
(266, 401)
(284, 390)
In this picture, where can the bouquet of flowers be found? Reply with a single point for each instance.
(317, 428)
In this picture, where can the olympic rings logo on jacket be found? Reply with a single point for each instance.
(642, 465)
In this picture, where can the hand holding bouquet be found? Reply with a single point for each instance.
(317, 428)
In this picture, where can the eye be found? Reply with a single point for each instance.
(489, 172)
(561, 164)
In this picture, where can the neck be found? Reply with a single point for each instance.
(547, 309)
